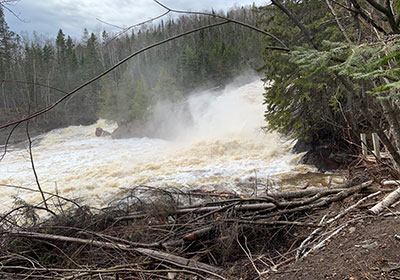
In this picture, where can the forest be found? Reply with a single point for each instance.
(50, 67)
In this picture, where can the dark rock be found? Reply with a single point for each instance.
(324, 155)
(302, 146)
(320, 158)
(131, 130)
(101, 132)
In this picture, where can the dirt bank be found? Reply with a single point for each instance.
(311, 233)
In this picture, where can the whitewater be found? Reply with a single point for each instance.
(223, 149)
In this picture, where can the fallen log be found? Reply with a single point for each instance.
(44, 236)
(302, 193)
(180, 261)
(386, 202)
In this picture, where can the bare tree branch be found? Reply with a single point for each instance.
(33, 83)
(225, 18)
(48, 193)
(8, 140)
(4, 4)
(110, 24)
(33, 166)
(305, 31)
(366, 17)
(124, 30)
(338, 22)
(387, 11)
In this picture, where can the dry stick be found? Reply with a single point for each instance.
(249, 256)
(209, 213)
(352, 207)
(386, 202)
(33, 83)
(126, 270)
(338, 22)
(271, 223)
(179, 261)
(366, 17)
(123, 241)
(62, 253)
(319, 245)
(344, 7)
(8, 140)
(110, 24)
(333, 233)
(305, 241)
(182, 262)
(2, 218)
(4, 5)
(209, 210)
(341, 194)
(49, 193)
(191, 236)
(28, 276)
(132, 26)
(33, 166)
(302, 193)
(305, 31)
(85, 272)
(330, 221)
(50, 107)
(53, 237)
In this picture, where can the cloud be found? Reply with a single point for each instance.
(72, 16)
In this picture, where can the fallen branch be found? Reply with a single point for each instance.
(322, 224)
(386, 202)
(96, 243)
(161, 256)
(182, 262)
(303, 193)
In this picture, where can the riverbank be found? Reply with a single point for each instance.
(150, 233)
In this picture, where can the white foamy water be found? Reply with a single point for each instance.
(223, 150)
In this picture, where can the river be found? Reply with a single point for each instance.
(223, 149)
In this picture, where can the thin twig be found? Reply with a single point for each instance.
(135, 25)
(225, 18)
(33, 166)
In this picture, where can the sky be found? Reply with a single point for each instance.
(46, 17)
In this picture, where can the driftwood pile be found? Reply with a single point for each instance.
(168, 234)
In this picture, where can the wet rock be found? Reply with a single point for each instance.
(302, 146)
(131, 130)
(101, 132)
(321, 154)
(320, 157)
(370, 245)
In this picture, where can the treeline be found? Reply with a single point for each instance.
(205, 59)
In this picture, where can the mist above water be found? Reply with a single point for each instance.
(232, 112)
(214, 143)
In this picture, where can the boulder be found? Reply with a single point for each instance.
(101, 132)
(130, 130)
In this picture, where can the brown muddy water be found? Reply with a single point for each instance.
(223, 149)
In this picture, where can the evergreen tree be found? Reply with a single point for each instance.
(166, 87)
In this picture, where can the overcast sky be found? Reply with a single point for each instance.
(72, 16)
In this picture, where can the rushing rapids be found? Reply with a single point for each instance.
(223, 149)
